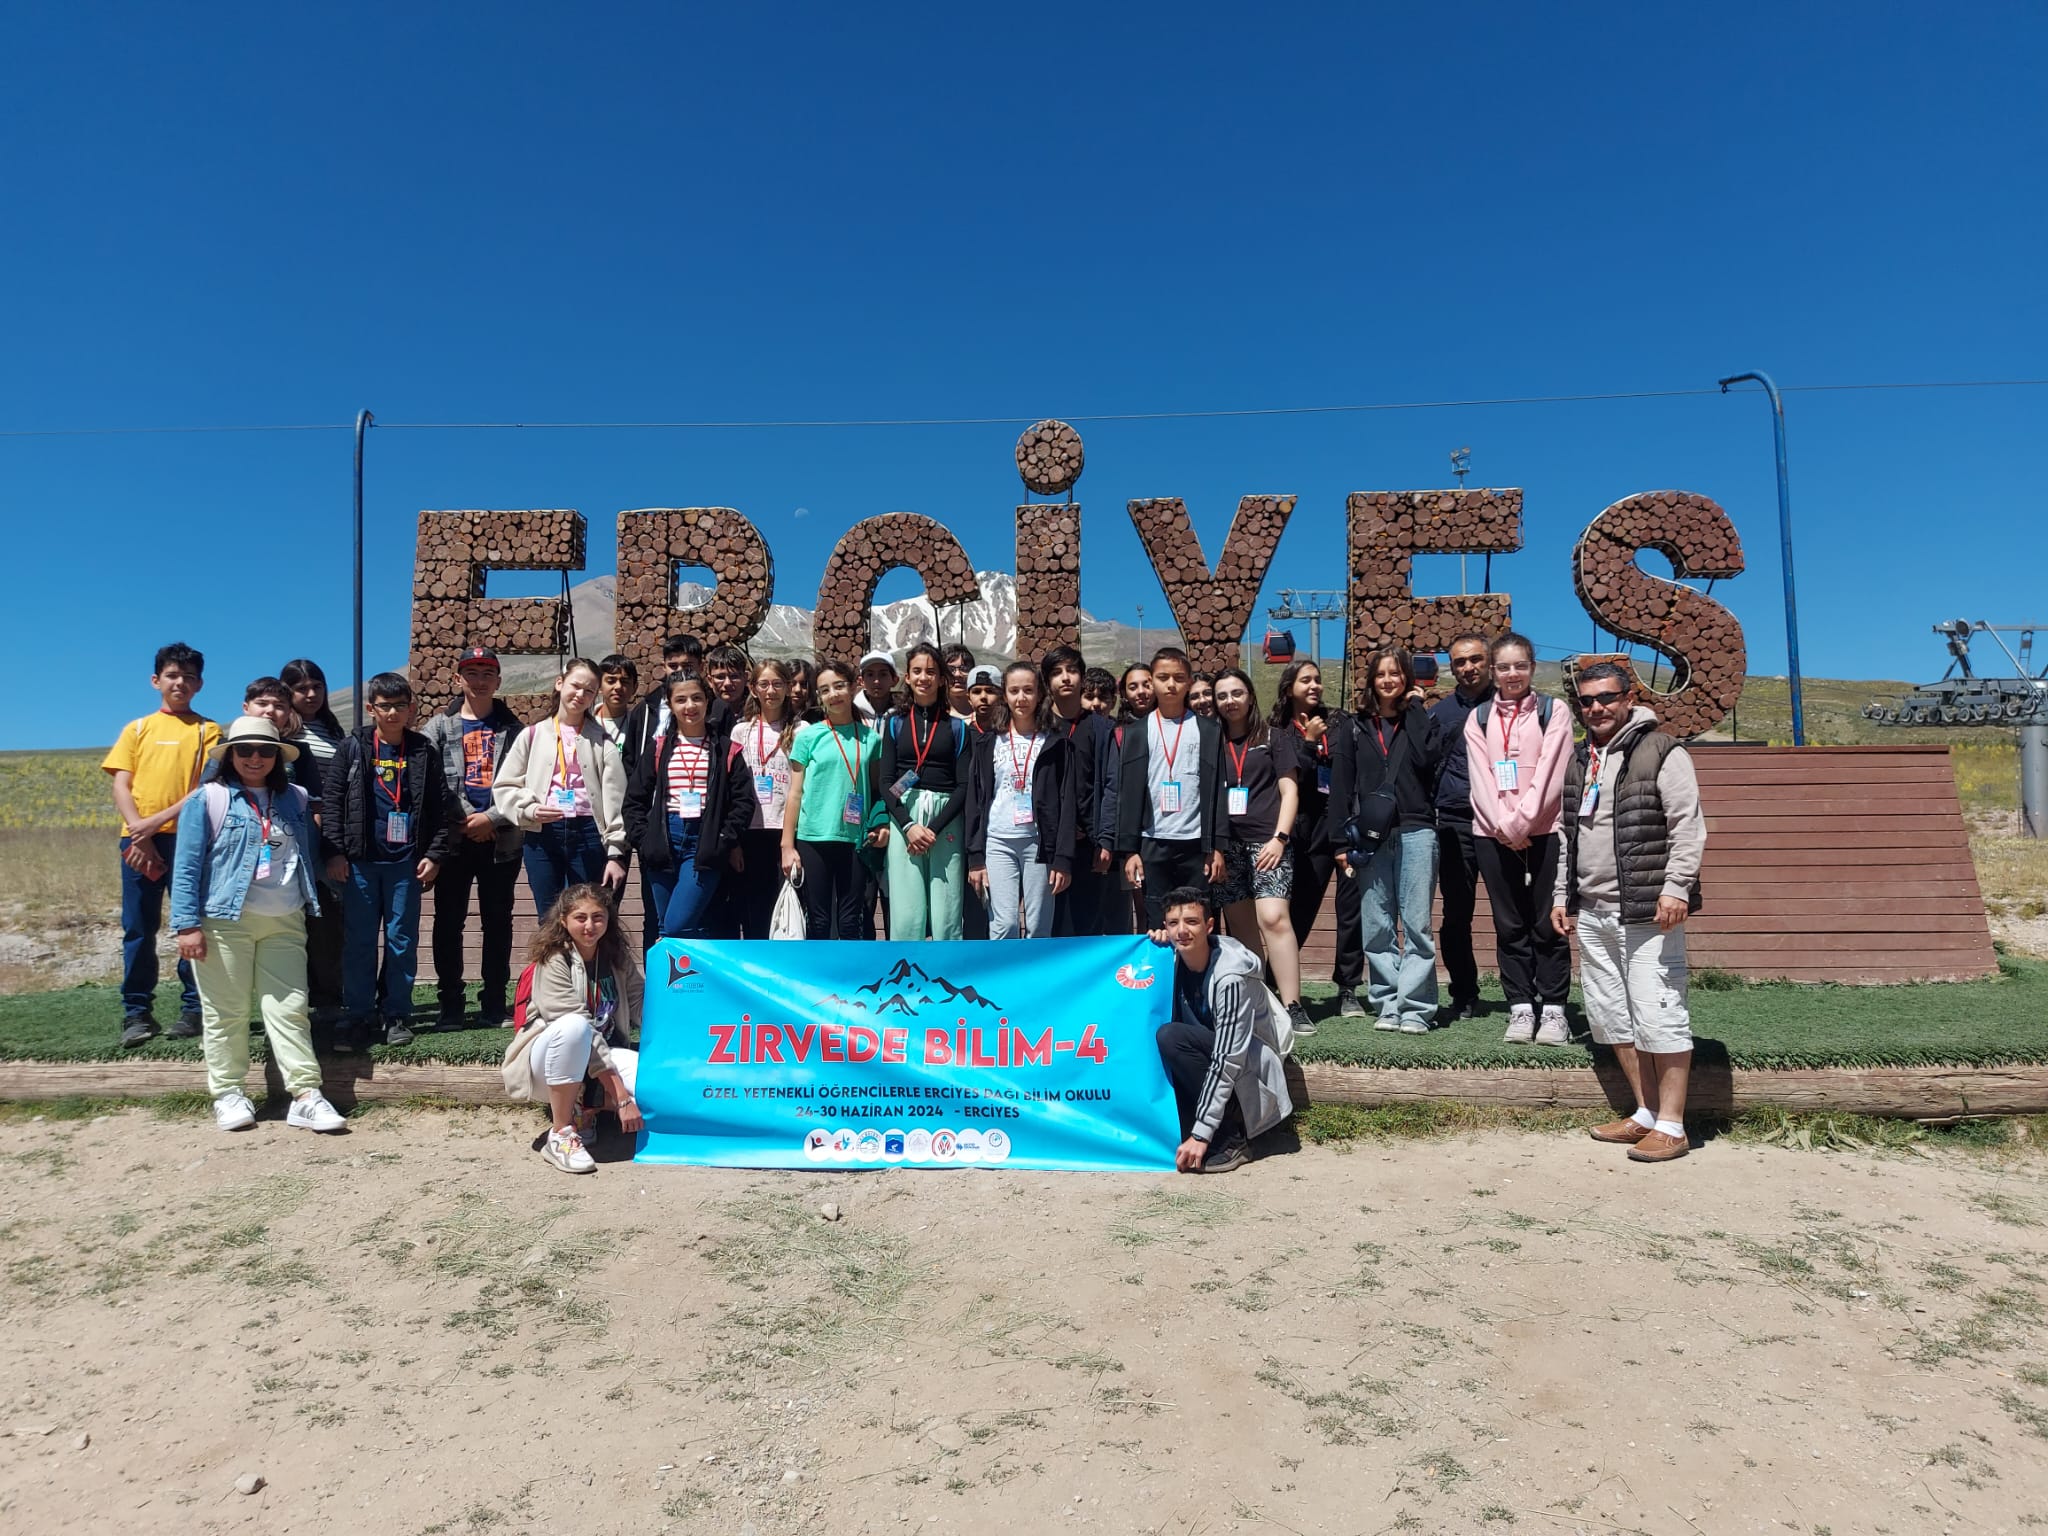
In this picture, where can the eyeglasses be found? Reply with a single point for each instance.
(242, 751)
(1588, 700)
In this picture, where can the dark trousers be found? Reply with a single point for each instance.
(1314, 869)
(142, 914)
(323, 954)
(1535, 959)
(835, 891)
(1457, 875)
(973, 914)
(496, 881)
(1077, 911)
(759, 883)
(1185, 1049)
(1167, 866)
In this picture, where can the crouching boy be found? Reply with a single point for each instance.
(1220, 1048)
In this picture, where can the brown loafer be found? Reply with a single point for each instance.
(1627, 1131)
(1658, 1148)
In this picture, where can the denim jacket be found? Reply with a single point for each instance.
(210, 875)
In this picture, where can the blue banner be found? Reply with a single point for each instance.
(1032, 1054)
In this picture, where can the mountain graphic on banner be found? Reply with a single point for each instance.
(907, 978)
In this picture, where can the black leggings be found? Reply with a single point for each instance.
(1535, 960)
(835, 891)
(760, 882)
(1314, 868)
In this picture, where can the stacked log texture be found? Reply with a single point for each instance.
(450, 611)
(1048, 577)
(1049, 458)
(1211, 610)
(865, 553)
(1702, 640)
(1387, 530)
(653, 543)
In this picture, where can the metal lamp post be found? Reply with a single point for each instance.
(363, 420)
(1785, 547)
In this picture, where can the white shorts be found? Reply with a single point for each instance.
(1633, 978)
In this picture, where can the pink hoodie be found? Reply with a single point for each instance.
(1533, 806)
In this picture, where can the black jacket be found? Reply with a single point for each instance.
(1313, 823)
(899, 755)
(644, 719)
(728, 805)
(348, 800)
(1454, 775)
(1093, 738)
(1357, 768)
(1134, 793)
(1053, 800)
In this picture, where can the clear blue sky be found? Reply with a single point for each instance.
(256, 214)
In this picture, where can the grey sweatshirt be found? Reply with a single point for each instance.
(1599, 879)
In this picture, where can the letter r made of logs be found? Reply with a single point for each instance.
(449, 609)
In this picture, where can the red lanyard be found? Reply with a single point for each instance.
(1593, 757)
(592, 995)
(262, 810)
(1379, 730)
(930, 736)
(761, 753)
(1023, 770)
(1238, 755)
(397, 790)
(1508, 717)
(1179, 726)
(852, 778)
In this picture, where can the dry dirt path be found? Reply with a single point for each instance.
(420, 1328)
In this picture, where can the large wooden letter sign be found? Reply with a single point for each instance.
(1388, 530)
(653, 544)
(450, 611)
(868, 551)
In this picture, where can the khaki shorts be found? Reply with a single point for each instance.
(1633, 979)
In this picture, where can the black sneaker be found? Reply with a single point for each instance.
(349, 1037)
(1455, 1012)
(1348, 1005)
(1227, 1156)
(1298, 1019)
(397, 1032)
(187, 1027)
(137, 1029)
(448, 1023)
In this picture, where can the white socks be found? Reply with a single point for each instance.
(1644, 1118)
(1672, 1128)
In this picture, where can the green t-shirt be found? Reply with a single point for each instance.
(824, 752)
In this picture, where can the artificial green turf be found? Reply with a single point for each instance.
(1763, 1024)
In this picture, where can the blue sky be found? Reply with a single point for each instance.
(268, 215)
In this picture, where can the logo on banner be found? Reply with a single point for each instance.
(681, 978)
(1135, 978)
(908, 987)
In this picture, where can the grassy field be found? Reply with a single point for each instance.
(46, 790)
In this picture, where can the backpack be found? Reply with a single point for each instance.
(1543, 703)
(522, 999)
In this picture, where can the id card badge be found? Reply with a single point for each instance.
(1506, 773)
(1240, 798)
(905, 784)
(1588, 800)
(1020, 814)
(852, 816)
(1169, 797)
(1323, 777)
(564, 798)
(397, 827)
(690, 804)
(263, 862)
(764, 787)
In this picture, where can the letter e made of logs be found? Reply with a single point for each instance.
(450, 612)
(1386, 531)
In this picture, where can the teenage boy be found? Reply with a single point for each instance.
(1098, 691)
(1077, 911)
(1630, 874)
(385, 834)
(472, 736)
(877, 694)
(1219, 1049)
(617, 678)
(649, 718)
(268, 698)
(960, 669)
(156, 762)
(1457, 868)
(1166, 791)
(729, 673)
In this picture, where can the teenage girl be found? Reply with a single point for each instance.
(1134, 693)
(923, 766)
(686, 808)
(1202, 695)
(1299, 710)
(832, 784)
(765, 732)
(319, 737)
(803, 692)
(1020, 816)
(1259, 791)
(565, 785)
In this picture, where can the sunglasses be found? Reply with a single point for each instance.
(1588, 700)
(241, 751)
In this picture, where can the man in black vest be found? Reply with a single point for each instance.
(1457, 867)
(1630, 874)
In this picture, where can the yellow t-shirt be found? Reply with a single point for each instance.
(166, 753)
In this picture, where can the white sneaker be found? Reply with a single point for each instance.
(565, 1150)
(1521, 1024)
(1415, 1026)
(1554, 1031)
(232, 1111)
(1388, 1021)
(314, 1113)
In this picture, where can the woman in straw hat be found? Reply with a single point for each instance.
(241, 881)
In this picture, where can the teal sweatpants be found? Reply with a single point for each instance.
(927, 892)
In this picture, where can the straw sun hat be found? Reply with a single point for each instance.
(252, 730)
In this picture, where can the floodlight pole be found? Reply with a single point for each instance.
(363, 420)
(1785, 547)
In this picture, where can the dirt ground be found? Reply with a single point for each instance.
(421, 1328)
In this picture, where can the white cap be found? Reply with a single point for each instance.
(882, 656)
(987, 675)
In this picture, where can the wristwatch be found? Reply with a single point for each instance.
(1283, 837)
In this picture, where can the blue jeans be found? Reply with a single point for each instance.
(1016, 879)
(142, 914)
(683, 893)
(387, 896)
(1399, 884)
(561, 854)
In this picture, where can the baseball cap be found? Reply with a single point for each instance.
(477, 656)
(873, 656)
(987, 675)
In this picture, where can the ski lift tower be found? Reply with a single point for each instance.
(1314, 606)
(1961, 697)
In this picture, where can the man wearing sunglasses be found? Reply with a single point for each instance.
(1628, 878)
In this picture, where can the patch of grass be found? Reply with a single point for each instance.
(1159, 1215)
(1443, 1468)
(2005, 1209)
(816, 1286)
(521, 1260)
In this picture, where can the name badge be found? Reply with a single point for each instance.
(690, 804)
(764, 787)
(1168, 802)
(852, 814)
(1240, 798)
(1323, 777)
(1506, 773)
(263, 862)
(905, 784)
(398, 827)
(1020, 814)
(564, 798)
(1588, 800)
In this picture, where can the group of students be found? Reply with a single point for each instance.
(964, 801)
